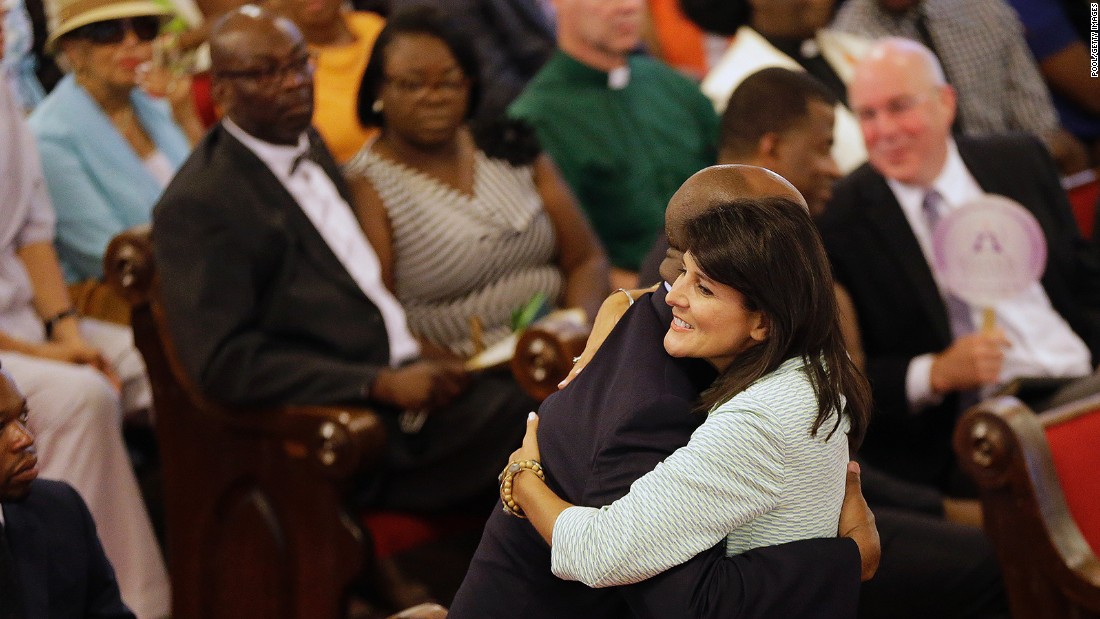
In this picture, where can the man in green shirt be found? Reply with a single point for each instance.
(625, 130)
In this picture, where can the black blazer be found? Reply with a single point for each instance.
(260, 309)
(901, 314)
(61, 566)
(629, 409)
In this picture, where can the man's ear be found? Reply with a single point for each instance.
(767, 148)
(949, 101)
(221, 93)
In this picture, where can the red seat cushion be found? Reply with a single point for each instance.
(397, 532)
(1075, 449)
(1083, 198)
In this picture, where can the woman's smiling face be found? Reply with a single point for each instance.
(709, 319)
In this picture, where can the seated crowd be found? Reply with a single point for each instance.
(382, 196)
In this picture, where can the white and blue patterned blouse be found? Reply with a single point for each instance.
(750, 474)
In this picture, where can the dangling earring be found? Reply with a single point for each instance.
(377, 107)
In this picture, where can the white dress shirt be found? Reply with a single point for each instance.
(331, 215)
(1042, 343)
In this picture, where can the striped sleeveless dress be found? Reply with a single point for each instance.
(457, 256)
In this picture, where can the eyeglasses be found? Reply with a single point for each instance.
(453, 85)
(273, 76)
(113, 31)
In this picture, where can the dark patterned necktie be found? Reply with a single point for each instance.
(11, 597)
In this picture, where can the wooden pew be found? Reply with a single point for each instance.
(256, 501)
(1039, 480)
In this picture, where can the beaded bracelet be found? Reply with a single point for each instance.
(505, 478)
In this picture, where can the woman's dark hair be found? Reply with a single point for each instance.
(768, 250)
(510, 139)
(413, 20)
(718, 16)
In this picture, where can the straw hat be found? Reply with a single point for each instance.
(68, 15)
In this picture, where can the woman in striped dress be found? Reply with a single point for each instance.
(467, 224)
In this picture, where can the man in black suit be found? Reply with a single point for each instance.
(925, 359)
(51, 561)
(628, 410)
(274, 295)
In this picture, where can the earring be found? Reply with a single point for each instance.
(377, 107)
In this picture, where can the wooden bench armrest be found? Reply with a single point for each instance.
(128, 264)
(544, 354)
(337, 441)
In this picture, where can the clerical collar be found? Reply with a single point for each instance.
(619, 77)
(575, 71)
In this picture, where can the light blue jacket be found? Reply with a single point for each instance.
(98, 184)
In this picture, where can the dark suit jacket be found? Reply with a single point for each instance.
(629, 409)
(513, 38)
(263, 313)
(61, 566)
(901, 314)
(261, 310)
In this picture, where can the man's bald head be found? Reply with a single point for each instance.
(262, 74)
(910, 58)
(233, 33)
(711, 187)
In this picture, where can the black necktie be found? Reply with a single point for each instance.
(309, 154)
(11, 596)
(304, 156)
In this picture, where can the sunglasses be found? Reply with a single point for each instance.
(144, 27)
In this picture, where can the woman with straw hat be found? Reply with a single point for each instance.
(108, 148)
